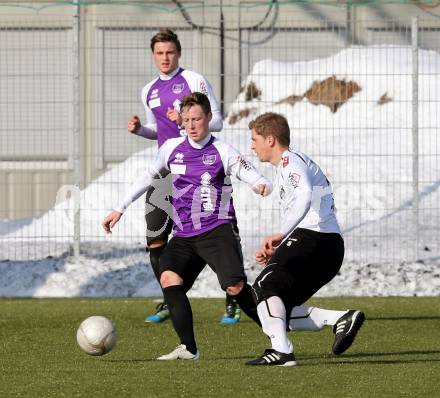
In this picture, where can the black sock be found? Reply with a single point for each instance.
(155, 253)
(229, 300)
(181, 315)
(245, 300)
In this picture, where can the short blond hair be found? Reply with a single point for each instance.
(272, 124)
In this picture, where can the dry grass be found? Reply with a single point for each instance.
(291, 100)
(384, 99)
(331, 92)
(235, 117)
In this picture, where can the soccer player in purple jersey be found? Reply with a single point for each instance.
(304, 255)
(161, 99)
(204, 221)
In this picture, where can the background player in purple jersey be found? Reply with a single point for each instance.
(204, 221)
(161, 99)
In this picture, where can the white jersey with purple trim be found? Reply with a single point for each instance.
(306, 195)
(165, 92)
(201, 186)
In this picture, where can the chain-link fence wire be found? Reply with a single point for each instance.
(343, 76)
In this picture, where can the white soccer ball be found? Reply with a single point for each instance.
(96, 335)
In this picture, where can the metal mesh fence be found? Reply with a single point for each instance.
(359, 88)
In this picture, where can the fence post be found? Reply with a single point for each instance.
(415, 130)
(76, 124)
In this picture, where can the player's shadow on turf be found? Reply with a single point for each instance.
(404, 318)
(352, 358)
(382, 361)
(133, 360)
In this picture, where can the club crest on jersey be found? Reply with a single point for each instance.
(285, 160)
(178, 88)
(179, 158)
(293, 179)
(209, 160)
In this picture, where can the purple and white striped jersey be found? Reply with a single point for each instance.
(165, 92)
(201, 187)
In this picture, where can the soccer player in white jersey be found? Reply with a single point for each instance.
(304, 255)
(204, 220)
(161, 99)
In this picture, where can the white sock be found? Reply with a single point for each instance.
(312, 318)
(272, 314)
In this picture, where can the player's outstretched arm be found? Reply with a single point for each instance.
(245, 171)
(140, 186)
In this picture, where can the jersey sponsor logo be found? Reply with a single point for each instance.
(177, 168)
(285, 160)
(205, 192)
(203, 88)
(154, 103)
(209, 160)
(205, 179)
(179, 157)
(244, 163)
(205, 196)
(178, 88)
(293, 179)
(154, 93)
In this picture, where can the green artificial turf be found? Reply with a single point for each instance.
(397, 353)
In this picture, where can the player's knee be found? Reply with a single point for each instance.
(235, 289)
(156, 243)
(170, 278)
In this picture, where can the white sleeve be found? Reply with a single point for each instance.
(199, 84)
(245, 171)
(298, 198)
(140, 186)
(149, 129)
(299, 206)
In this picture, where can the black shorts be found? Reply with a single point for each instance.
(304, 262)
(220, 248)
(159, 223)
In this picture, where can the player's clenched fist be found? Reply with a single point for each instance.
(133, 124)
